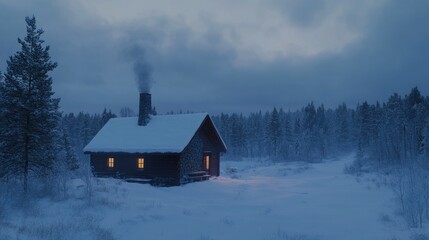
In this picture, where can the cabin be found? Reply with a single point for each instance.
(160, 149)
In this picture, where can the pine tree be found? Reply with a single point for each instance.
(394, 125)
(286, 138)
(29, 112)
(297, 132)
(274, 131)
(128, 112)
(364, 123)
(106, 116)
(321, 131)
(416, 120)
(342, 127)
(69, 156)
(85, 131)
(309, 132)
(237, 134)
(309, 117)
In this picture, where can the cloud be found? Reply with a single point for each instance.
(392, 57)
(266, 30)
(229, 56)
(304, 13)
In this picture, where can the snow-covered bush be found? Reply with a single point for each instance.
(80, 227)
(411, 187)
(12, 198)
(355, 168)
(204, 237)
(232, 172)
(3, 199)
(85, 173)
(420, 236)
(61, 177)
(385, 218)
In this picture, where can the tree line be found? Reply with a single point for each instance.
(388, 133)
(385, 134)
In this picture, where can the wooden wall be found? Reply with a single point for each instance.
(211, 145)
(191, 159)
(162, 166)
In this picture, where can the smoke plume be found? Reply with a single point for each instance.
(142, 69)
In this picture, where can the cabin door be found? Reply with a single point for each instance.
(207, 161)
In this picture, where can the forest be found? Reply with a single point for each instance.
(388, 133)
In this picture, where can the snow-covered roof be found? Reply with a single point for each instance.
(163, 134)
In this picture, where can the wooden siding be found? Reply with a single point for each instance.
(160, 167)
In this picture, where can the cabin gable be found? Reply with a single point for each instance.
(204, 143)
(213, 146)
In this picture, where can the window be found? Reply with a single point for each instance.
(140, 163)
(110, 162)
(206, 162)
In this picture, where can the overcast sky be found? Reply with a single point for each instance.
(227, 56)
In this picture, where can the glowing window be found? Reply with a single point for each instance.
(206, 162)
(140, 163)
(110, 162)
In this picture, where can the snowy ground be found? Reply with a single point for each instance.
(250, 200)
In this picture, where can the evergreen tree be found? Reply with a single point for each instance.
(416, 113)
(106, 115)
(274, 133)
(286, 138)
(225, 128)
(321, 131)
(364, 124)
(342, 127)
(237, 135)
(255, 136)
(309, 120)
(85, 130)
(128, 112)
(154, 112)
(393, 129)
(69, 156)
(29, 114)
(309, 131)
(297, 132)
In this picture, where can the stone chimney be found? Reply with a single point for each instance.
(145, 108)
